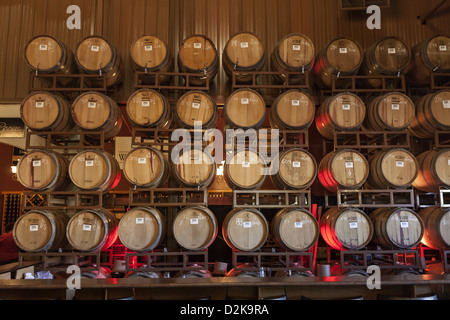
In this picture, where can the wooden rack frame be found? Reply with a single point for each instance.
(388, 84)
(56, 86)
(62, 140)
(372, 140)
(77, 260)
(441, 139)
(185, 78)
(303, 84)
(160, 138)
(272, 199)
(426, 200)
(389, 198)
(161, 197)
(440, 81)
(64, 200)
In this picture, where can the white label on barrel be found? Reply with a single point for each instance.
(295, 103)
(145, 103)
(392, 51)
(353, 225)
(95, 48)
(194, 220)
(449, 162)
(296, 164)
(404, 224)
(244, 44)
(139, 220)
(342, 50)
(298, 225)
(148, 48)
(244, 101)
(39, 104)
(245, 164)
(89, 163)
(36, 163)
(142, 160)
(196, 105)
(395, 106)
(349, 165)
(87, 227)
(34, 227)
(443, 48)
(197, 45)
(92, 105)
(345, 107)
(296, 47)
(247, 225)
(400, 164)
(43, 47)
(446, 104)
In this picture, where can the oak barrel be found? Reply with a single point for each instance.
(437, 227)
(397, 228)
(245, 229)
(342, 112)
(343, 169)
(297, 169)
(346, 229)
(243, 53)
(245, 170)
(150, 53)
(95, 55)
(142, 229)
(434, 170)
(389, 112)
(147, 108)
(295, 229)
(294, 53)
(340, 57)
(95, 112)
(292, 110)
(245, 109)
(198, 55)
(390, 56)
(94, 170)
(432, 113)
(41, 231)
(92, 230)
(195, 228)
(196, 107)
(429, 56)
(194, 168)
(394, 168)
(43, 170)
(146, 167)
(45, 111)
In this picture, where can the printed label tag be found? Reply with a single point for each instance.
(89, 163)
(39, 104)
(244, 101)
(353, 225)
(145, 103)
(342, 50)
(43, 47)
(247, 225)
(196, 105)
(142, 160)
(245, 164)
(295, 103)
(95, 48)
(92, 105)
(443, 48)
(148, 48)
(298, 225)
(197, 45)
(404, 224)
(194, 220)
(36, 163)
(349, 165)
(87, 227)
(244, 44)
(446, 104)
(395, 107)
(392, 50)
(139, 220)
(345, 107)
(34, 227)
(296, 164)
(296, 47)
(400, 164)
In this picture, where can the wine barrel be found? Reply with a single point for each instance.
(95, 55)
(147, 108)
(195, 228)
(434, 170)
(245, 229)
(196, 107)
(93, 273)
(342, 112)
(43, 170)
(48, 55)
(94, 112)
(198, 55)
(295, 230)
(395, 168)
(429, 56)
(437, 232)
(432, 112)
(245, 109)
(390, 56)
(346, 229)
(146, 167)
(341, 57)
(41, 231)
(44, 111)
(143, 274)
(150, 53)
(243, 53)
(297, 169)
(92, 230)
(389, 112)
(94, 170)
(294, 53)
(397, 228)
(292, 110)
(194, 168)
(245, 170)
(343, 169)
(142, 229)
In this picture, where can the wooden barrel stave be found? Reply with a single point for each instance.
(436, 221)
(148, 108)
